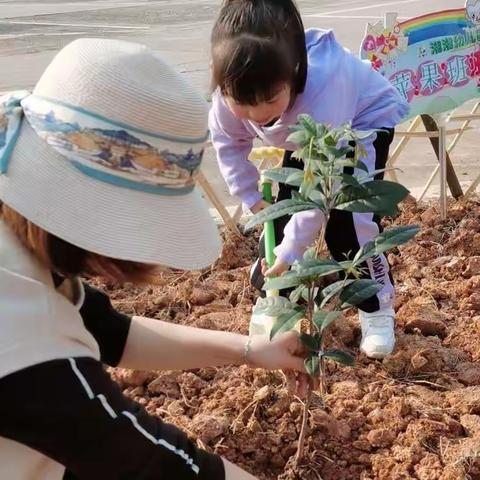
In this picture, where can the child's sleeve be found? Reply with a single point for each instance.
(379, 104)
(233, 143)
(299, 234)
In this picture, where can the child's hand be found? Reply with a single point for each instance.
(276, 270)
(260, 205)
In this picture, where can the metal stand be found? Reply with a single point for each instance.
(441, 120)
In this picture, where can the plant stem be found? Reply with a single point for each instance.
(306, 405)
(303, 430)
(323, 380)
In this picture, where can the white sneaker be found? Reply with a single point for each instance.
(378, 336)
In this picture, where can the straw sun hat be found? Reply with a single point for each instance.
(104, 153)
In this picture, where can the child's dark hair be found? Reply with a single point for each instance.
(256, 46)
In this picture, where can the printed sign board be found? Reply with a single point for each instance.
(433, 60)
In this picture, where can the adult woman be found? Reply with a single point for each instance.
(72, 206)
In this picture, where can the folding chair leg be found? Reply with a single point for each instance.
(453, 183)
(212, 196)
(450, 148)
(471, 189)
(400, 147)
(238, 214)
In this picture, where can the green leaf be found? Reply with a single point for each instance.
(350, 180)
(323, 319)
(312, 365)
(338, 356)
(330, 140)
(306, 188)
(308, 123)
(287, 280)
(273, 306)
(285, 323)
(310, 342)
(310, 254)
(300, 154)
(393, 211)
(371, 197)
(363, 134)
(295, 178)
(358, 291)
(296, 196)
(297, 293)
(333, 289)
(358, 164)
(291, 176)
(321, 130)
(318, 197)
(346, 264)
(318, 157)
(387, 240)
(379, 171)
(299, 137)
(295, 127)
(306, 293)
(318, 267)
(280, 209)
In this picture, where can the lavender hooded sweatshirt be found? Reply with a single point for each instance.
(340, 88)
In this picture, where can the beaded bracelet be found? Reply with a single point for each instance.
(247, 348)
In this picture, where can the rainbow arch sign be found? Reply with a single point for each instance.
(432, 60)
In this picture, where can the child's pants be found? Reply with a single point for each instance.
(346, 232)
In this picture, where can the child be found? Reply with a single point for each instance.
(77, 197)
(266, 70)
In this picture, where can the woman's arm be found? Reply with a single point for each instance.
(153, 344)
(144, 343)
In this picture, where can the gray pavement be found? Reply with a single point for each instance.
(31, 32)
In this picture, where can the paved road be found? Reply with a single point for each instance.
(31, 32)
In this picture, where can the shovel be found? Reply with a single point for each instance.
(261, 324)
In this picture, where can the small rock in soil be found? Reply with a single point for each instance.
(420, 315)
(209, 427)
(465, 400)
(166, 384)
(473, 267)
(429, 468)
(201, 296)
(469, 373)
(380, 437)
(471, 425)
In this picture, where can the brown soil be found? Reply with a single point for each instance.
(416, 415)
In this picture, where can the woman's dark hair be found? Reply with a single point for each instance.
(256, 46)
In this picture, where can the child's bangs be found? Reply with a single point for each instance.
(252, 70)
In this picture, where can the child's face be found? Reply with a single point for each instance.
(265, 112)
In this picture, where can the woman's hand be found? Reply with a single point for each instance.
(284, 352)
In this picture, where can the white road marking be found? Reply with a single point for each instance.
(77, 25)
(353, 17)
(356, 9)
(53, 34)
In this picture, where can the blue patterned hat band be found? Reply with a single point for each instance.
(101, 148)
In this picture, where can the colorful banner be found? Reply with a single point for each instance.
(433, 60)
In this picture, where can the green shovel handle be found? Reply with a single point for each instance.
(268, 228)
